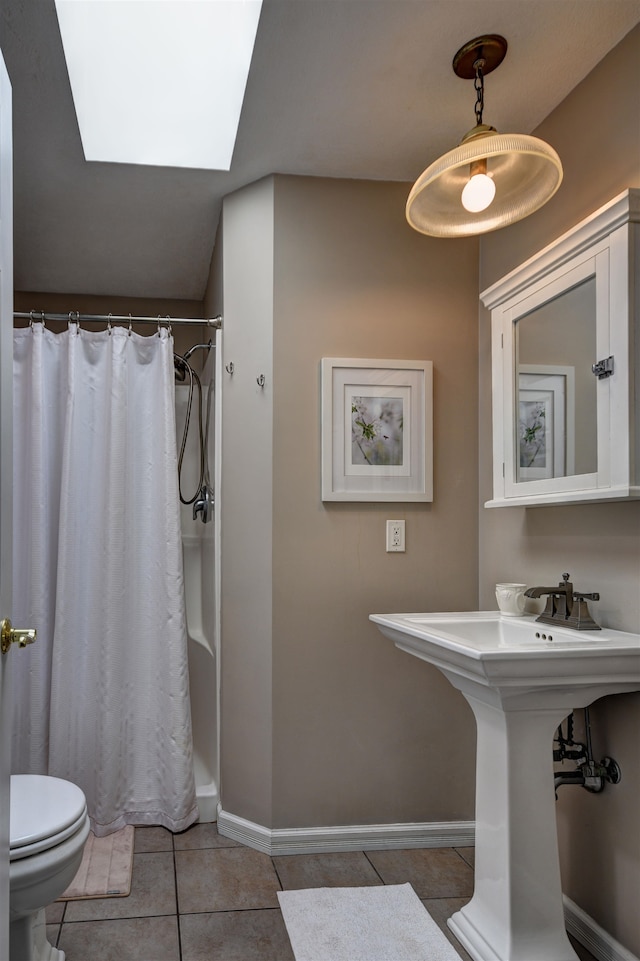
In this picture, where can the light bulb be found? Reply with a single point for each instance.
(478, 193)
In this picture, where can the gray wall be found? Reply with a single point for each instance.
(246, 505)
(323, 721)
(596, 131)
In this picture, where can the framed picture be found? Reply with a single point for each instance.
(546, 421)
(377, 430)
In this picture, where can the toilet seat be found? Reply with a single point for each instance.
(44, 812)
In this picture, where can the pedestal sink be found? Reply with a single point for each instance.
(521, 679)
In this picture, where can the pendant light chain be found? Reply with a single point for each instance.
(478, 83)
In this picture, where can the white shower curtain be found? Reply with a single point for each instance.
(102, 697)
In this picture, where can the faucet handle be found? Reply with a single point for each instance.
(580, 618)
(203, 504)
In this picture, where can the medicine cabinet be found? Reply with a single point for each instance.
(565, 335)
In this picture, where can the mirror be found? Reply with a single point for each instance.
(563, 434)
(555, 415)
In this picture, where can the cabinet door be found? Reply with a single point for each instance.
(6, 474)
(565, 326)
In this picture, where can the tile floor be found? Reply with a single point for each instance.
(198, 896)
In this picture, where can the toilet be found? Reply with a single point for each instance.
(49, 828)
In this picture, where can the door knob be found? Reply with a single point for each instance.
(14, 635)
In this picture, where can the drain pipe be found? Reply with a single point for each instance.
(588, 774)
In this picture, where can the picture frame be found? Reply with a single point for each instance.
(377, 429)
(545, 442)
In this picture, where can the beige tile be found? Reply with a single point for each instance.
(440, 910)
(235, 936)
(147, 840)
(468, 855)
(55, 912)
(129, 939)
(433, 872)
(339, 869)
(202, 836)
(225, 879)
(52, 932)
(152, 893)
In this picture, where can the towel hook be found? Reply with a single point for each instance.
(261, 380)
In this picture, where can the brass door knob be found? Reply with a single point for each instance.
(14, 635)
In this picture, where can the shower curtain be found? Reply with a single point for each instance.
(102, 697)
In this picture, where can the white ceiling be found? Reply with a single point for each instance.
(337, 88)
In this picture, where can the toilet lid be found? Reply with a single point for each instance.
(42, 807)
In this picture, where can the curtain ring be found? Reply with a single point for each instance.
(159, 324)
(109, 323)
(169, 330)
(129, 325)
(30, 318)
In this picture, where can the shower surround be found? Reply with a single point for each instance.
(201, 576)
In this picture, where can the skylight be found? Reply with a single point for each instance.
(159, 82)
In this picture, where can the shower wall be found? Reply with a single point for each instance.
(199, 552)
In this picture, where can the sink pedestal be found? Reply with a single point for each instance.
(521, 680)
(516, 912)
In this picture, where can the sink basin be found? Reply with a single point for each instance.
(521, 678)
(517, 656)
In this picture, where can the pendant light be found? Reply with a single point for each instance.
(490, 180)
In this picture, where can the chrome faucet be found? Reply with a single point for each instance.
(203, 504)
(566, 606)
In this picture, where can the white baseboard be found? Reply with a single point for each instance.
(358, 837)
(591, 936)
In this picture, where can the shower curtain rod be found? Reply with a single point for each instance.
(40, 316)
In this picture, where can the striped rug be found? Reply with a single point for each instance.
(105, 871)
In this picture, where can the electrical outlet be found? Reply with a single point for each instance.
(395, 536)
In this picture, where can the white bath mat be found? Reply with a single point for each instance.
(385, 923)
(105, 871)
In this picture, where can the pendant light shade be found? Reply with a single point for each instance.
(452, 198)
